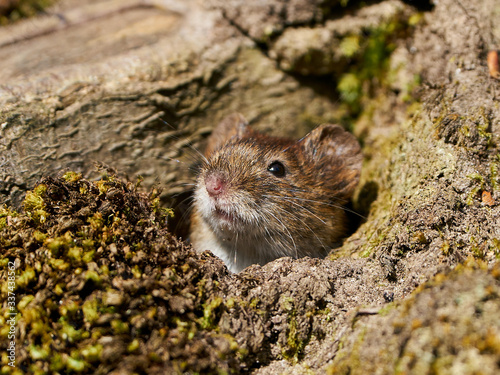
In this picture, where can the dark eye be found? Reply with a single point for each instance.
(277, 169)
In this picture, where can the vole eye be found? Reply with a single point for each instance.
(277, 169)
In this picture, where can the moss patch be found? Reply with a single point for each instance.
(16, 10)
(99, 279)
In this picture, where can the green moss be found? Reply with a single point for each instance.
(286, 303)
(58, 289)
(154, 357)
(4, 328)
(494, 174)
(295, 345)
(209, 319)
(370, 67)
(24, 9)
(71, 287)
(104, 270)
(201, 287)
(36, 352)
(445, 248)
(34, 205)
(94, 276)
(366, 253)
(76, 365)
(495, 246)
(88, 244)
(56, 362)
(254, 303)
(477, 250)
(26, 277)
(136, 271)
(133, 346)
(88, 256)
(68, 307)
(40, 328)
(349, 87)
(39, 236)
(25, 301)
(36, 369)
(90, 310)
(409, 88)
(96, 221)
(420, 237)
(10, 371)
(72, 176)
(156, 205)
(75, 253)
(119, 327)
(59, 245)
(230, 303)
(347, 362)
(5, 214)
(32, 314)
(384, 311)
(483, 127)
(59, 264)
(350, 45)
(68, 332)
(103, 186)
(415, 19)
(479, 180)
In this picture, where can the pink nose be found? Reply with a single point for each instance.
(215, 184)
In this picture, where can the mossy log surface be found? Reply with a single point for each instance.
(102, 284)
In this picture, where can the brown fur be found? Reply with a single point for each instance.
(298, 214)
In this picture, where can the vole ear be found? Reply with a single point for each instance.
(337, 153)
(232, 126)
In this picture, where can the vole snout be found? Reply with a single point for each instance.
(216, 183)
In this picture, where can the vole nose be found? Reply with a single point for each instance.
(215, 184)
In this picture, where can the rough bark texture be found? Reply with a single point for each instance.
(415, 289)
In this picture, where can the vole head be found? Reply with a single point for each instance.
(286, 192)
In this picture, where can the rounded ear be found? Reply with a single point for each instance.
(232, 126)
(337, 153)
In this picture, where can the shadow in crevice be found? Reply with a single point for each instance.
(366, 196)
(421, 5)
(357, 212)
(180, 203)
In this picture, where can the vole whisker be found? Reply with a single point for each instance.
(286, 229)
(235, 249)
(189, 144)
(184, 216)
(326, 204)
(303, 191)
(308, 227)
(186, 184)
(298, 205)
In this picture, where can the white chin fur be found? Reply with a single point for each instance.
(234, 242)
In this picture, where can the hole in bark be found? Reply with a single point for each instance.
(420, 5)
(366, 196)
